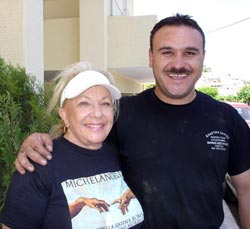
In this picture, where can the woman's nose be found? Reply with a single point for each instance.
(96, 111)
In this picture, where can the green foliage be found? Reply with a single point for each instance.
(244, 94)
(206, 69)
(212, 91)
(149, 85)
(231, 98)
(10, 134)
(22, 111)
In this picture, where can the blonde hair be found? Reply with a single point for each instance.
(62, 80)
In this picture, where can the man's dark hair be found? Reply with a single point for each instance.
(176, 20)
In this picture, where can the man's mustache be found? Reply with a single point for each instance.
(178, 71)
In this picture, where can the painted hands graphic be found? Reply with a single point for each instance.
(101, 205)
(124, 201)
(78, 204)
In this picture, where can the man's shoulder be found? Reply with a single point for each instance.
(209, 100)
(217, 107)
(142, 96)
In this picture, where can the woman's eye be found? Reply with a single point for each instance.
(84, 103)
(106, 104)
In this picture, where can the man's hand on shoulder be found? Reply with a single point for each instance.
(36, 147)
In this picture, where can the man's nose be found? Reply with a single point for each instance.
(178, 61)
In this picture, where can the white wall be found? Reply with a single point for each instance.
(33, 41)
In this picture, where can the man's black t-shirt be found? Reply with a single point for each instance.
(175, 157)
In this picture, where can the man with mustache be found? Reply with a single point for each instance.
(176, 144)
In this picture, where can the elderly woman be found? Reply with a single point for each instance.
(82, 186)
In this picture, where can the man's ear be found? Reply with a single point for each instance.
(204, 54)
(150, 57)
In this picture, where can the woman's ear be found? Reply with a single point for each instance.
(62, 114)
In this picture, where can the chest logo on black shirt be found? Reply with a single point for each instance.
(218, 140)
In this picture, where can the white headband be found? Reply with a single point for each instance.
(85, 80)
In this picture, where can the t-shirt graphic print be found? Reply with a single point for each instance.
(102, 201)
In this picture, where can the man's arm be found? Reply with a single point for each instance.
(242, 186)
(36, 147)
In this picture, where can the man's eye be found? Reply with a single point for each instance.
(168, 53)
(190, 53)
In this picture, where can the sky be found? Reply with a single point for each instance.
(226, 24)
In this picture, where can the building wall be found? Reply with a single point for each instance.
(122, 7)
(61, 43)
(11, 28)
(126, 85)
(21, 40)
(33, 42)
(107, 42)
(128, 40)
(61, 9)
(71, 39)
(73, 30)
(93, 31)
